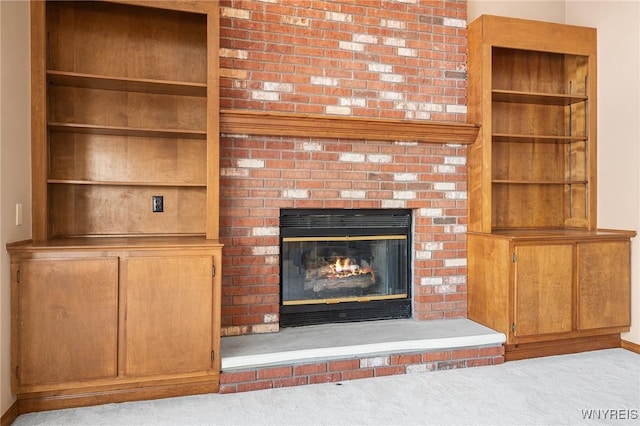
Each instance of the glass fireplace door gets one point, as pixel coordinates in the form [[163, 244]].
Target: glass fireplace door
[[327, 270], [344, 265]]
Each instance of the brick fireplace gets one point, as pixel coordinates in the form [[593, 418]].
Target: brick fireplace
[[429, 180], [395, 59]]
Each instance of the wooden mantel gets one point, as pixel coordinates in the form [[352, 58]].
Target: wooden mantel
[[323, 126]]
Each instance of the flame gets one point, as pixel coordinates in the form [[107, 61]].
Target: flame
[[342, 264], [344, 267], [337, 274]]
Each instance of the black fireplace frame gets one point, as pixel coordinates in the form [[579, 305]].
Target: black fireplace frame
[[338, 223]]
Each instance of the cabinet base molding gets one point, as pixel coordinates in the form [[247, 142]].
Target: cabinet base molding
[[630, 346], [28, 403], [561, 347]]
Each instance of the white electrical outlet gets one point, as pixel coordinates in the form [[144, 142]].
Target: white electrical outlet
[[18, 214]]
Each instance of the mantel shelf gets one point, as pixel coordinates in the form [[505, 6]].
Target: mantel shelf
[[321, 126]]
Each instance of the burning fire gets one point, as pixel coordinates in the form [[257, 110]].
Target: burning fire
[[343, 273], [344, 268]]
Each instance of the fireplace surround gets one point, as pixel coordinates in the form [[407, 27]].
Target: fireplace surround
[[344, 265]]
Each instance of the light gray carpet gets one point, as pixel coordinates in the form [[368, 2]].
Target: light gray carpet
[[600, 387]]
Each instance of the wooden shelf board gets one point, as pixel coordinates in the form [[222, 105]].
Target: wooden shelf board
[[127, 131], [512, 137], [91, 81], [514, 96], [541, 182], [322, 126], [557, 233], [100, 242], [125, 183]]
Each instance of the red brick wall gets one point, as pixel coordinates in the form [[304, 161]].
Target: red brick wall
[[402, 59], [357, 368]]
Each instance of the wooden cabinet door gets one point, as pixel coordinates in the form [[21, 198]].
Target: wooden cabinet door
[[168, 315], [67, 313], [543, 289], [604, 284]]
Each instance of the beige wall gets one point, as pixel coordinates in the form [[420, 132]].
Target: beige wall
[[618, 128], [618, 107], [540, 10], [15, 178]]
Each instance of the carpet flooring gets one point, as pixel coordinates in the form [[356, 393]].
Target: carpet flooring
[[590, 388]]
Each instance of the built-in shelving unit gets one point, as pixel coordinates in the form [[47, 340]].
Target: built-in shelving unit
[[540, 270], [540, 140], [130, 94], [117, 297]]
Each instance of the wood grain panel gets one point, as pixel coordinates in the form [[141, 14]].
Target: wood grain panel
[[561, 346], [126, 159], [133, 41], [489, 287], [169, 324], [539, 36], [529, 119], [529, 161], [527, 206], [543, 289], [529, 71], [120, 210], [81, 105], [39, 117], [68, 311], [604, 291]]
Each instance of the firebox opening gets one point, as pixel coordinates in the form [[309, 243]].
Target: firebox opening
[[344, 265]]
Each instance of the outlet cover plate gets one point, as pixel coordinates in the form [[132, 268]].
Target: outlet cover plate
[[157, 203]]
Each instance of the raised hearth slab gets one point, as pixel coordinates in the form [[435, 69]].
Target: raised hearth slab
[[341, 352], [339, 341]]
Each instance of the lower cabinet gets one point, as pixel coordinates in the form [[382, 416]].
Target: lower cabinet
[[551, 293], [67, 321], [604, 293], [543, 290], [111, 323], [168, 305]]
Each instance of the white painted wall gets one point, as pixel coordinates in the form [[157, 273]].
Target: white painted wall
[[618, 26], [15, 170]]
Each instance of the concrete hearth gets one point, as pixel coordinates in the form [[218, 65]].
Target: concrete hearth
[[342, 352], [338, 341]]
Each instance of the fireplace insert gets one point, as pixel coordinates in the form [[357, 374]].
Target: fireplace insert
[[344, 265]]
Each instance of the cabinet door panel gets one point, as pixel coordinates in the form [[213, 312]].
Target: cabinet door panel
[[168, 325], [68, 319], [543, 289], [604, 285]]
